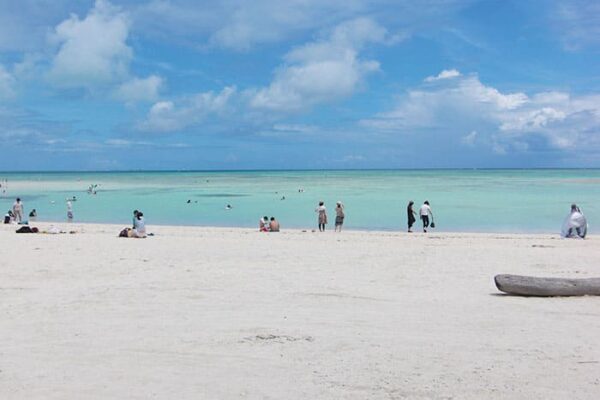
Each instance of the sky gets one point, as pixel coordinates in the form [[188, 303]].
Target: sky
[[298, 84]]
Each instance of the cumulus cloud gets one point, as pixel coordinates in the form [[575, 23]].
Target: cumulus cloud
[[170, 116], [445, 74], [139, 89], [510, 121], [93, 50], [322, 71]]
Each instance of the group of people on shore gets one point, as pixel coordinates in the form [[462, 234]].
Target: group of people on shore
[[17, 213], [321, 211], [574, 226], [424, 214], [268, 225]]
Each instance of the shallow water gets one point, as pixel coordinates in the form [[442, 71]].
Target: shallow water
[[462, 200]]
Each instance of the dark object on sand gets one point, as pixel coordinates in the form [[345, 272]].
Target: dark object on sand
[[547, 287], [27, 229]]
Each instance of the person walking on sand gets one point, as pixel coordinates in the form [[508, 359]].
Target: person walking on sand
[[411, 215], [18, 210], [575, 225], [425, 212], [322, 219], [339, 216]]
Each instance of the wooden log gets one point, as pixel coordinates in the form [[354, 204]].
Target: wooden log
[[547, 287]]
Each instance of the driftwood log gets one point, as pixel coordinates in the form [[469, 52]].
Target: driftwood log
[[546, 287]]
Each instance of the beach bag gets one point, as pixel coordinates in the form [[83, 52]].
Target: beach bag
[[123, 233], [432, 224]]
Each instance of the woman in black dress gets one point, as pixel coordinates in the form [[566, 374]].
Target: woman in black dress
[[411, 215]]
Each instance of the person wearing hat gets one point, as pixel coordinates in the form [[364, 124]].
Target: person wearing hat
[[339, 216], [322, 219]]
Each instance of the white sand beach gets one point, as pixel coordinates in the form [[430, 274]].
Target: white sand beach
[[218, 313]]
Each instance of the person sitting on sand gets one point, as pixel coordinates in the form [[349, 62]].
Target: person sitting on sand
[[8, 217], [135, 213], [273, 225], [575, 225], [139, 228], [263, 224]]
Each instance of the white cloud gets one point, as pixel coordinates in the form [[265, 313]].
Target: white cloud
[[241, 25], [92, 51], [167, 116], [577, 22], [7, 83], [322, 71], [138, 89], [532, 120], [469, 139], [445, 74], [511, 121]]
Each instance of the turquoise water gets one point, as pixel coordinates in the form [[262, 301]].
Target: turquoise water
[[461, 200]]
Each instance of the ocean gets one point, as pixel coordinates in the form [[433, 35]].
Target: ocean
[[461, 200]]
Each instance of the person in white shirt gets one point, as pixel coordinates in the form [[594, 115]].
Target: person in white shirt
[[425, 212], [18, 210], [139, 228], [322, 220], [575, 225]]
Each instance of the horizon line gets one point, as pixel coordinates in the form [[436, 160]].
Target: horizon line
[[297, 170]]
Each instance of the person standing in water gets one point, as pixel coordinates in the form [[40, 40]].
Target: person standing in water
[[69, 211], [18, 210], [322, 219], [339, 216], [425, 212], [411, 215]]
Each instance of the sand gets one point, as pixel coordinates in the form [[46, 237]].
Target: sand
[[218, 313]]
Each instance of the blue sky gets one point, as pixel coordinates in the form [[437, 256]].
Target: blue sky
[[265, 84]]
